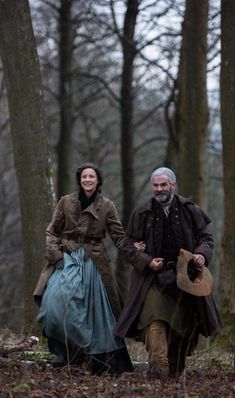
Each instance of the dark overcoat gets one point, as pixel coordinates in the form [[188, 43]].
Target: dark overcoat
[[72, 228], [145, 225]]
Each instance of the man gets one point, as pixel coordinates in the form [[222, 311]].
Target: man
[[167, 319]]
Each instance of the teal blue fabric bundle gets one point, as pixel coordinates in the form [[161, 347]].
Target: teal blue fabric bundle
[[75, 308]]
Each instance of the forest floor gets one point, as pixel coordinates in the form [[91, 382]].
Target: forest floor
[[28, 374]]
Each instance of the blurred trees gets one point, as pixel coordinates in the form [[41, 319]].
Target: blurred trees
[[95, 87], [115, 81], [65, 53], [129, 51], [11, 305], [192, 115], [28, 130], [228, 128]]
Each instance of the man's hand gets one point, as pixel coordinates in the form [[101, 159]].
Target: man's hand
[[199, 260], [156, 264]]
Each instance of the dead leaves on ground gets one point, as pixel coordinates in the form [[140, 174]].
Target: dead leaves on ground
[[22, 378], [25, 372]]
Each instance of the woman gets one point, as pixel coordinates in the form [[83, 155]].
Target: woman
[[81, 304]]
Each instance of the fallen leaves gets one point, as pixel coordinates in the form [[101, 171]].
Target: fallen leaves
[[45, 381], [28, 374]]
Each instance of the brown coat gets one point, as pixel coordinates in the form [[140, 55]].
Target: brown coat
[[197, 239], [72, 228]]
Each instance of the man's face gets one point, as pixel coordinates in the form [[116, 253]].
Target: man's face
[[162, 188]]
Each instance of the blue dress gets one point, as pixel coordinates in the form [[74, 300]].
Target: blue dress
[[75, 308]]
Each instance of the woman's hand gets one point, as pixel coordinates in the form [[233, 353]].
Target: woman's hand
[[140, 246]]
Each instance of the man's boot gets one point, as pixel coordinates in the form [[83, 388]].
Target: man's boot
[[156, 346]]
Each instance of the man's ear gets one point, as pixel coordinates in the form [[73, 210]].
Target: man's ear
[[174, 185]]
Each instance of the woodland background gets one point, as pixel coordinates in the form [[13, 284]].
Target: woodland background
[[130, 85]]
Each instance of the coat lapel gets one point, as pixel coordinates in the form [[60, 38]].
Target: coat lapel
[[95, 207]]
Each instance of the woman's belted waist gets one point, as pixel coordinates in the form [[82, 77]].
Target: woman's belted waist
[[91, 240], [69, 245]]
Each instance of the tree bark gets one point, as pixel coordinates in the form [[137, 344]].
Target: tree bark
[[127, 149], [191, 119], [126, 141], [29, 138], [227, 86], [65, 96]]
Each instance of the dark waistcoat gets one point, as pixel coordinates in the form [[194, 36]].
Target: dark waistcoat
[[168, 235]]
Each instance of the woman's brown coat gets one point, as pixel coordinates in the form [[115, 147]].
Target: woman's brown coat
[[72, 228]]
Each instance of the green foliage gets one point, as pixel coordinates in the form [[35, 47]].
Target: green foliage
[[223, 341], [49, 172], [38, 355], [227, 341], [220, 363], [22, 388]]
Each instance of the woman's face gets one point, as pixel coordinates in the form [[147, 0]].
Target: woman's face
[[88, 181]]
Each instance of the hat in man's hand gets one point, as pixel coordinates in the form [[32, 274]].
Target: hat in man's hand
[[202, 283]]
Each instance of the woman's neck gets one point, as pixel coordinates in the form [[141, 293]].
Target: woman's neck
[[85, 199]]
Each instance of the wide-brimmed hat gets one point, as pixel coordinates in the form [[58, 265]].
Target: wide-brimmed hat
[[201, 285]]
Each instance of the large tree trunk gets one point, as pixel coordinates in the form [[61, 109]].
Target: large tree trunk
[[228, 127], [192, 108], [65, 96], [127, 150], [172, 150], [29, 138]]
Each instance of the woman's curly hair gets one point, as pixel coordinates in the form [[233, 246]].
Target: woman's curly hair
[[89, 166]]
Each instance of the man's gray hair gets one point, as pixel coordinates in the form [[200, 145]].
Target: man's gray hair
[[164, 170]]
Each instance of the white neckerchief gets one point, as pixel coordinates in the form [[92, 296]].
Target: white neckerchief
[[166, 209]]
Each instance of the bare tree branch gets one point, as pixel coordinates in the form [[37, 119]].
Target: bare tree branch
[[101, 80]]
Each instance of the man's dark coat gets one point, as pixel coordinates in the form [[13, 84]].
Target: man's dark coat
[[189, 223]]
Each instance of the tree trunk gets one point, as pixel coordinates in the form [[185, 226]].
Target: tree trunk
[[191, 120], [172, 150], [65, 96], [227, 84], [126, 142], [29, 138], [127, 150]]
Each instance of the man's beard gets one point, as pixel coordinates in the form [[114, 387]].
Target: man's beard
[[165, 198]]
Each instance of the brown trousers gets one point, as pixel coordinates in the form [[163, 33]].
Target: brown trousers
[[156, 346], [166, 349]]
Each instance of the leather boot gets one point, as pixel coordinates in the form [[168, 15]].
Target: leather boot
[[156, 346]]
